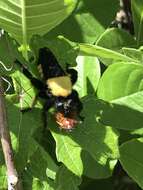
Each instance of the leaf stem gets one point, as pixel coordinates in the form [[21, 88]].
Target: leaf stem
[[12, 175]]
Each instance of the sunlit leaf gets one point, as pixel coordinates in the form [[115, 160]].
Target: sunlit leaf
[[88, 69], [137, 11], [25, 18], [98, 51], [131, 159], [88, 21], [22, 132], [120, 80]]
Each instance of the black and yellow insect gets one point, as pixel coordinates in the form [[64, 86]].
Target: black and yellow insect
[[55, 87]]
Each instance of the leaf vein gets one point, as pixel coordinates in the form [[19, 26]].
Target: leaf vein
[[10, 21], [7, 10], [13, 3], [47, 14], [43, 4]]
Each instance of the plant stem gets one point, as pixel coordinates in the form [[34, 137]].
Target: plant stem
[[6, 145], [25, 51]]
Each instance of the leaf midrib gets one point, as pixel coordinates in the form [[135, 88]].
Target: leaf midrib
[[24, 29]]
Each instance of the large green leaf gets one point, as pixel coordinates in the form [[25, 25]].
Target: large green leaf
[[121, 84], [70, 148], [137, 11], [64, 50], [41, 164], [131, 157], [96, 170], [89, 21], [21, 136], [119, 80], [68, 152], [25, 18], [121, 39], [76, 159], [22, 132], [40, 170], [123, 113], [88, 69], [100, 142], [94, 50], [133, 101], [66, 180]]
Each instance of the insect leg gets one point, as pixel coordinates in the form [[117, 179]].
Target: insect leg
[[73, 74], [48, 104], [31, 106]]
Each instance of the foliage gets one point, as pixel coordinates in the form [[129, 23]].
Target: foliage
[[110, 85]]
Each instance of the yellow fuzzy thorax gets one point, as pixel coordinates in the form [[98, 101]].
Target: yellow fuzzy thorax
[[60, 86]]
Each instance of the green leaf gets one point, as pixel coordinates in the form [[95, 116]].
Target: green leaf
[[125, 115], [64, 50], [88, 69], [94, 50], [38, 185], [39, 167], [32, 183], [68, 152], [22, 127], [41, 164], [124, 82], [137, 132], [121, 39], [101, 142], [133, 101], [89, 21], [77, 160], [25, 92], [120, 80], [137, 11], [95, 170], [3, 177], [66, 180], [133, 53], [131, 159], [24, 18]]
